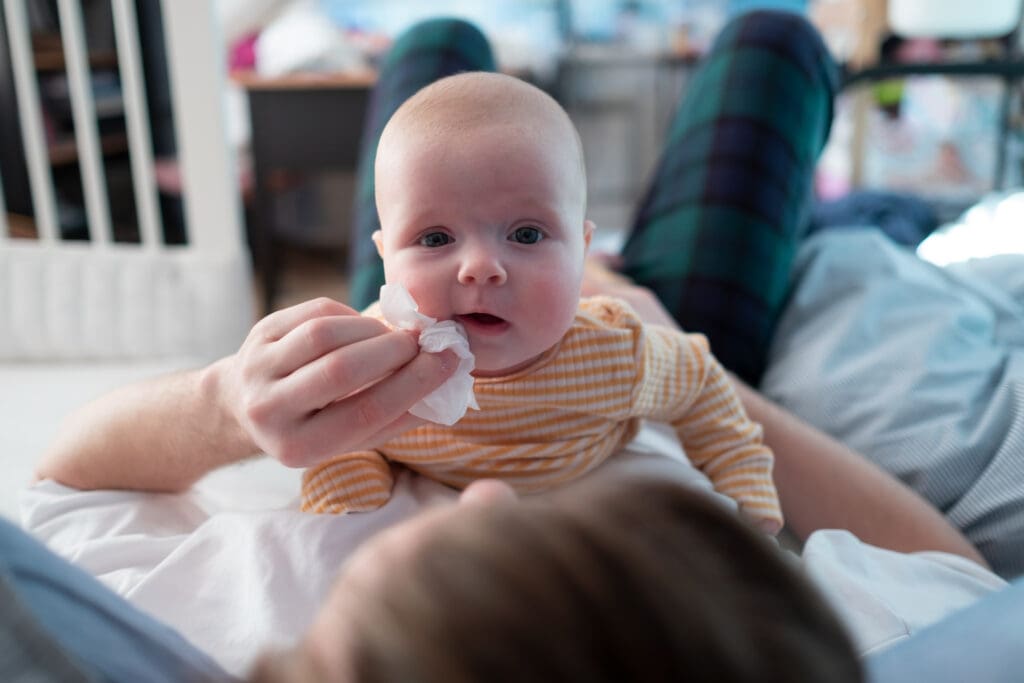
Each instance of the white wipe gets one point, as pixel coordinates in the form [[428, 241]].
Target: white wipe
[[448, 403]]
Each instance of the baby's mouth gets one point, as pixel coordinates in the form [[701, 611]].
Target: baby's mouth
[[484, 319]]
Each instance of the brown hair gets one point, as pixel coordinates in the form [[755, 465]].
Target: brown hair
[[606, 581]]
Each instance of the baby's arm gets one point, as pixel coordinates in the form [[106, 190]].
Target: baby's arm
[[354, 482], [688, 388], [822, 483]]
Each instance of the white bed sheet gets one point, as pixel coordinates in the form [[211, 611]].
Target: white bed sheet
[[35, 397], [236, 568]]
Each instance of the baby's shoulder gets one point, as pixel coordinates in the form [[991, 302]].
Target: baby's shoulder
[[608, 316], [605, 323], [607, 312]]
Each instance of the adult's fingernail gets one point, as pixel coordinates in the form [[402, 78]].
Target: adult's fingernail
[[449, 361]]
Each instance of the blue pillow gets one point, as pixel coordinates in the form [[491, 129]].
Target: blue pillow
[[27, 652], [918, 368], [980, 643], [101, 632]]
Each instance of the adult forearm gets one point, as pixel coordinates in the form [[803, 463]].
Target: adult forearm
[[823, 484], [162, 434], [309, 381]]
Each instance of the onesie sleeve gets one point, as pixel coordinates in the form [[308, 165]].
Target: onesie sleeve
[[683, 384], [354, 482]]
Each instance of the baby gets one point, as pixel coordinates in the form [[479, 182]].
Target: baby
[[481, 191]]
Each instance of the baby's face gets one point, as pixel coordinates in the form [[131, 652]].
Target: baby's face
[[488, 231]]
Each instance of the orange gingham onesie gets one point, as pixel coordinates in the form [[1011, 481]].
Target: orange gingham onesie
[[566, 413]]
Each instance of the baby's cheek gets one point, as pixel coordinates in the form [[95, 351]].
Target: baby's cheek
[[558, 301], [424, 292]]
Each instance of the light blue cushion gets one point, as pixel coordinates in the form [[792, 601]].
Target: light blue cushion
[[984, 642]]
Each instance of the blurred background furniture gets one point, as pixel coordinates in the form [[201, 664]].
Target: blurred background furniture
[[963, 42], [301, 123]]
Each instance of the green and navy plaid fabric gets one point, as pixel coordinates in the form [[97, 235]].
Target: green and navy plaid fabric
[[425, 53], [717, 230], [716, 233]]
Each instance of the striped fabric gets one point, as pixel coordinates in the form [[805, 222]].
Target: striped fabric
[[567, 413], [716, 234]]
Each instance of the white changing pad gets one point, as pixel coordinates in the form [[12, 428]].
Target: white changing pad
[[236, 568]]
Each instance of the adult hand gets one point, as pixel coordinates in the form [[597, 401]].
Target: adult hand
[[319, 379]]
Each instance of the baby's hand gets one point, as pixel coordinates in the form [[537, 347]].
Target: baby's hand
[[772, 527]]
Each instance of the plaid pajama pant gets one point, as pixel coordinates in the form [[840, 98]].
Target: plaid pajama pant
[[716, 232]]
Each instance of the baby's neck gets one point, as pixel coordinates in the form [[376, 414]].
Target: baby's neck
[[504, 372]]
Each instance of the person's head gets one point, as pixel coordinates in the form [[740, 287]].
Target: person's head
[[481, 192], [602, 581]]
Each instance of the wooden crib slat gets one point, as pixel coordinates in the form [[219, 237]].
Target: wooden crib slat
[[83, 110], [30, 115], [136, 114], [71, 300]]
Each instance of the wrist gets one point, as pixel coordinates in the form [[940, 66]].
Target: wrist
[[218, 404]]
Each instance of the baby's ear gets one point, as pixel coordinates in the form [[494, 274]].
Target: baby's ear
[[377, 242], [588, 233]]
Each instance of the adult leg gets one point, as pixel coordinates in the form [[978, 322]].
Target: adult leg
[[717, 231], [426, 52]]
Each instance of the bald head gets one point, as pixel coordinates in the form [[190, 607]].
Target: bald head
[[451, 109]]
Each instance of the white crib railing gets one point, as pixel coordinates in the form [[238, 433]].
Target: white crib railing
[[107, 299]]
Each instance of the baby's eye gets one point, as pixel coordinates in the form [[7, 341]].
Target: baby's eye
[[527, 235], [435, 239]]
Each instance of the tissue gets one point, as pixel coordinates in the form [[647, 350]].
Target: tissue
[[449, 402]]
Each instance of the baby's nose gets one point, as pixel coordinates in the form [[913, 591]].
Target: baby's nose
[[482, 266]]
